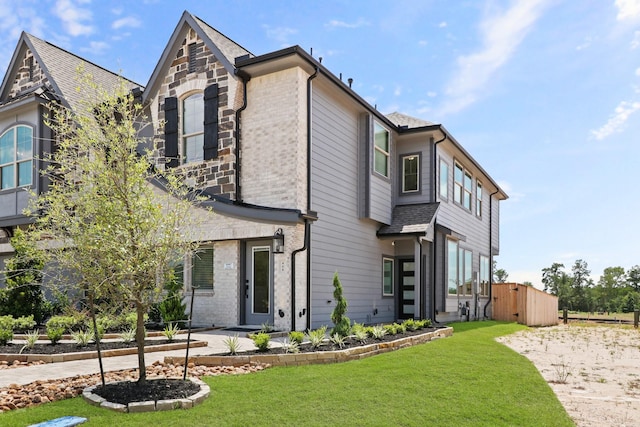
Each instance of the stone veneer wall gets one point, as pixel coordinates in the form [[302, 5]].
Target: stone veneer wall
[[217, 173], [22, 80]]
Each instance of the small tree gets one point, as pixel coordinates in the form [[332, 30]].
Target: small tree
[[342, 323], [23, 295], [104, 217]]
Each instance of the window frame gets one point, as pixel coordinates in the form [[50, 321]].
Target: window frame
[[479, 198], [388, 261], [16, 162], [184, 136], [193, 272], [443, 195], [462, 194], [484, 273], [403, 175], [377, 150], [452, 263]]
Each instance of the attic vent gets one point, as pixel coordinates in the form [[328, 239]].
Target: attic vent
[[192, 58]]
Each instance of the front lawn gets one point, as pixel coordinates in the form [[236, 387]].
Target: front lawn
[[466, 380]]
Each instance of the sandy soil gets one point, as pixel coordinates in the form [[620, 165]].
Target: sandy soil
[[594, 371]]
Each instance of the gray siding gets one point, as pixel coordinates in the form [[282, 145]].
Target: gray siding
[[414, 144], [340, 240]]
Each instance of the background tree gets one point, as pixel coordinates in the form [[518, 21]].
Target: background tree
[[557, 282], [633, 278], [610, 288], [101, 218], [580, 286], [499, 274]]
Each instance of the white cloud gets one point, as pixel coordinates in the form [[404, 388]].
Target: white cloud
[[334, 23], [501, 34], [73, 17], [638, 72], [585, 44], [96, 47], [280, 34], [443, 24], [617, 120], [423, 42], [635, 43], [628, 9], [128, 21], [432, 94], [397, 91]]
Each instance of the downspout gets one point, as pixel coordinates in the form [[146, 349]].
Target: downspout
[[307, 223], [435, 234], [490, 250], [245, 77]]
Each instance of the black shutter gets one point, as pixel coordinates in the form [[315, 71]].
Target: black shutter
[[171, 131], [211, 122]]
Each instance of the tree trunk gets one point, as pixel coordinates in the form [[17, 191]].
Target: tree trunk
[[140, 342]]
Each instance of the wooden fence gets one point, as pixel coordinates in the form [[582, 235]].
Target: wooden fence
[[527, 305]]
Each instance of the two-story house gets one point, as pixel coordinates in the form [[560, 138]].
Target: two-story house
[[305, 179]]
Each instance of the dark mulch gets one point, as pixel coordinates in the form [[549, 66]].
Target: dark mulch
[[327, 345], [60, 348], [156, 389]]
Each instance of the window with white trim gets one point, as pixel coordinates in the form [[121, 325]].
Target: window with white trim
[[484, 276], [202, 268], [410, 173], [381, 149], [465, 272], [479, 198], [16, 157], [444, 180], [387, 277], [452, 267], [462, 186], [193, 128]]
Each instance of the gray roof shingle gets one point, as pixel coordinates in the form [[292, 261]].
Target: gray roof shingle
[[403, 120], [410, 219]]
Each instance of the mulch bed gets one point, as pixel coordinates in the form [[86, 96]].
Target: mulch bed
[[65, 347], [156, 389]]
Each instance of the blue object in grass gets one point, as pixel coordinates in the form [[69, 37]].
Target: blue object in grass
[[68, 421]]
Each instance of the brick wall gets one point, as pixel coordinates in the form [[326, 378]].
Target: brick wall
[[26, 79]]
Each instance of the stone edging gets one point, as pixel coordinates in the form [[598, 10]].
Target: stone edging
[[93, 354], [296, 359], [151, 405]]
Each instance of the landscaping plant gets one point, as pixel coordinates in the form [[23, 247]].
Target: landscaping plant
[[232, 343], [342, 324], [296, 336], [54, 333], [337, 339], [261, 341], [82, 338], [31, 339], [128, 335], [171, 331], [172, 309], [290, 346], [317, 336], [6, 329]]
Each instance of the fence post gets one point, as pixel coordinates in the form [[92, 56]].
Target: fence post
[[636, 315], [565, 315]]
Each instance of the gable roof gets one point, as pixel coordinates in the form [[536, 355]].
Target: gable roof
[[224, 49], [403, 120], [410, 220], [59, 66]]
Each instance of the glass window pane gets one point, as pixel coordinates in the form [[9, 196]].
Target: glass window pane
[[24, 143], [387, 277], [8, 177], [7, 146], [452, 267], [381, 136], [24, 173], [202, 269], [193, 114], [261, 279], [444, 179], [410, 173], [380, 164], [194, 148], [457, 174], [467, 182]]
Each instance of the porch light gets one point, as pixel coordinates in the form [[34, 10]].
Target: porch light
[[278, 242]]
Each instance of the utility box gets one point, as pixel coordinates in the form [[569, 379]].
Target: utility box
[[513, 302]]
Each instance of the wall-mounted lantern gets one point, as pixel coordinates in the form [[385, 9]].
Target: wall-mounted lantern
[[278, 242]]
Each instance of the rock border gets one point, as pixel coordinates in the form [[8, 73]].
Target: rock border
[[93, 354], [318, 357], [150, 405]]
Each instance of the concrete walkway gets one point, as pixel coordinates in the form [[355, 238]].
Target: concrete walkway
[[51, 371]]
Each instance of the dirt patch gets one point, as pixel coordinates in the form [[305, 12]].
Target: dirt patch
[[62, 348], [160, 389], [594, 370]]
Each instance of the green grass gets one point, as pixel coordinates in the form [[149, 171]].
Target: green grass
[[466, 380]]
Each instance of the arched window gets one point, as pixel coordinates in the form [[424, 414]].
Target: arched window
[[193, 128], [16, 157]]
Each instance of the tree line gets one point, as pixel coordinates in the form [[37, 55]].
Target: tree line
[[616, 290]]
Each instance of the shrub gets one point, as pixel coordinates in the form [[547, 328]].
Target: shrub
[[377, 332], [6, 329], [82, 338], [261, 341], [31, 339], [7, 322], [337, 339], [342, 324], [410, 324], [24, 323], [172, 309], [316, 336], [424, 323], [360, 332], [290, 346], [170, 331], [54, 333], [266, 327], [66, 323], [128, 335], [232, 343], [296, 336], [391, 329]]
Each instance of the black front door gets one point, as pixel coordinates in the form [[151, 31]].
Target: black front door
[[407, 288]]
